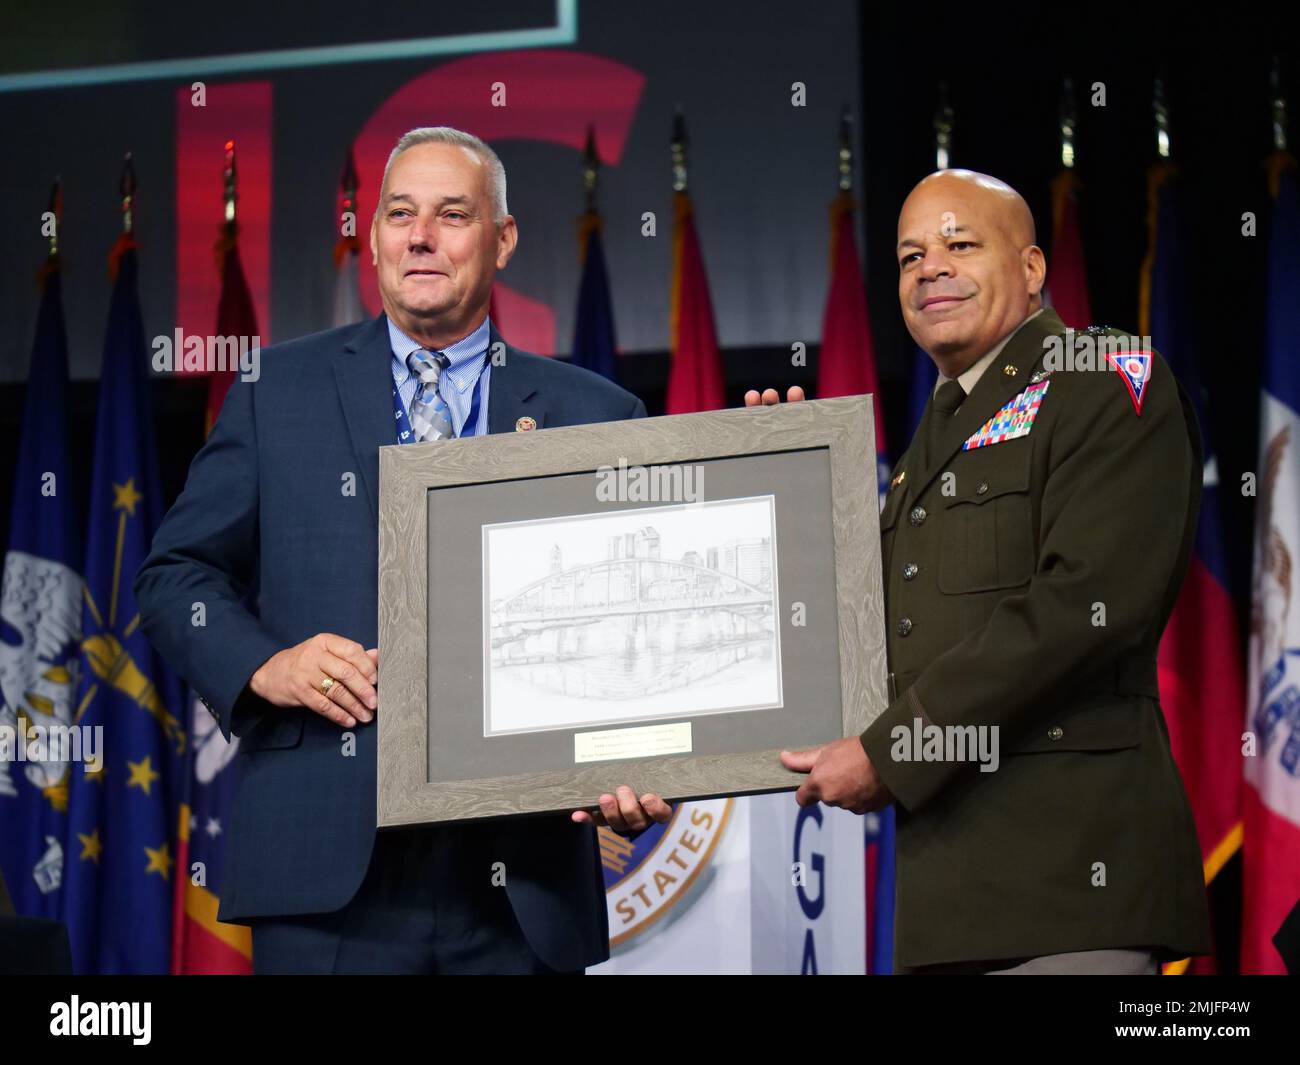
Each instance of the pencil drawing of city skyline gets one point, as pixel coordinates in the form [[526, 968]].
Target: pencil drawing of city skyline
[[631, 615]]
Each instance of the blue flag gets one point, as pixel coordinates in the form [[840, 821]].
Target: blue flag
[[594, 343], [924, 375], [40, 630], [121, 842]]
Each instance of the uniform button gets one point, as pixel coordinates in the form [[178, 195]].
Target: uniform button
[[1055, 732], [981, 488], [904, 626], [910, 571], [917, 515]]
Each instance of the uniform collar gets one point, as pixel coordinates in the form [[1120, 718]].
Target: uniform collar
[[465, 354], [969, 377]]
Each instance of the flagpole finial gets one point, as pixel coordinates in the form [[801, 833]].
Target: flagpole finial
[[846, 149], [943, 125], [55, 208], [679, 146], [590, 169], [1278, 101], [1068, 118], [126, 189], [349, 183], [231, 182], [348, 180], [1161, 111]]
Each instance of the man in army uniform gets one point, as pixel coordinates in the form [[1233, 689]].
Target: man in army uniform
[[1034, 539]]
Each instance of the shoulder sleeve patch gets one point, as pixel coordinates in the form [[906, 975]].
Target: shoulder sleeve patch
[[1134, 367]]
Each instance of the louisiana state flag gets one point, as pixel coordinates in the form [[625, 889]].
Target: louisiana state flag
[[1200, 667], [1271, 798], [40, 629], [121, 842]]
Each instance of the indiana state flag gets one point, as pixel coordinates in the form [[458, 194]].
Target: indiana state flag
[[40, 629], [121, 842]]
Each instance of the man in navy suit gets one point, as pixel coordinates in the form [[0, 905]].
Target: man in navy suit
[[283, 498]]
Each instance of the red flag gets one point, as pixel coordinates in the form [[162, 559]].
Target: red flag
[[235, 318], [1068, 283], [201, 943], [695, 379], [1200, 667], [847, 366]]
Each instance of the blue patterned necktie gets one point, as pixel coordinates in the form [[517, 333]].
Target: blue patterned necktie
[[430, 418]]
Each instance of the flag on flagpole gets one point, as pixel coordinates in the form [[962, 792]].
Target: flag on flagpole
[[236, 317], [695, 378], [1067, 288], [1200, 667], [121, 842], [201, 943], [924, 376], [847, 363], [1271, 797], [347, 252], [40, 608], [595, 346], [847, 367]]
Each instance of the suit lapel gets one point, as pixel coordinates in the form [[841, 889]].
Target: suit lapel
[[996, 386], [364, 376], [363, 373], [512, 393]]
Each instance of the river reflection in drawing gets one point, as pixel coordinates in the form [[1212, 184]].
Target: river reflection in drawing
[[622, 616]]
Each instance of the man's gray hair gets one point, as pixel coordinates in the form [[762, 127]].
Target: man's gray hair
[[496, 173]]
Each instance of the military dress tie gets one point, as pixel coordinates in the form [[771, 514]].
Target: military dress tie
[[430, 418], [944, 405]]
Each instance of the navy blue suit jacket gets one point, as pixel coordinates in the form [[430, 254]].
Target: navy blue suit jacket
[[264, 507]]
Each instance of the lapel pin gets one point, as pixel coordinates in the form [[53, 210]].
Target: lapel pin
[[525, 424], [899, 479], [1010, 370]]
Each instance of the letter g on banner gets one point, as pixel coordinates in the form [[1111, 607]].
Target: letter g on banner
[[812, 907]]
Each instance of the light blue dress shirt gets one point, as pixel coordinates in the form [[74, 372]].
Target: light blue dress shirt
[[470, 368]]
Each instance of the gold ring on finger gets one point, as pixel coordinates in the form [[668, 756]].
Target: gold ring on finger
[[327, 685]]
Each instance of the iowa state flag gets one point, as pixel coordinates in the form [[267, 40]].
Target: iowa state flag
[[1271, 799], [121, 842], [595, 345], [695, 378], [40, 628], [1200, 668]]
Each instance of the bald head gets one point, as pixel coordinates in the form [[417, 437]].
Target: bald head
[[969, 269]]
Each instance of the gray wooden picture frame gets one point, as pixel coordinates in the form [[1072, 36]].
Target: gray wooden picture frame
[[844, 427]]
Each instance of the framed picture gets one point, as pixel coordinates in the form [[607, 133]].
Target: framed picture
[[665, 602]]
